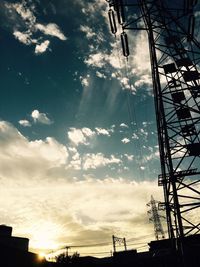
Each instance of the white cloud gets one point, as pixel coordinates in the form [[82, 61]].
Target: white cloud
[[76, 156], [126, 84], [23, 37], [85, 81], [41, 48], [129, 157], [95, 60], [84, 135], [25, 18], [102, 131], [143, 132], [72, 149], [100, 75], [92, 161], [124, 125], [141, 56], [88, 31], [76, 136], [51, 29], [113, 58], [153, 155], [135, 136], [25, 123], [143, 80], [33, 172], [89, 9], [126, 168], [103, 58], [125, 140], [26, 38], [50, 150], [113, 61], [145, 123], [25, 155], [80, 136], [40, 117], [87, 132], [93, 216], [25, 13], [75, 163]]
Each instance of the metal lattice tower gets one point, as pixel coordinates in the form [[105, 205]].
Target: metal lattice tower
[[120, 241], [175, 66], [154, 217]]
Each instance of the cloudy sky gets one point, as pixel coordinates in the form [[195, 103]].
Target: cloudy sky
[[78, 146]]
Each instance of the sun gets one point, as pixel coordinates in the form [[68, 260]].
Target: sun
[[44, 238], [41, 256]]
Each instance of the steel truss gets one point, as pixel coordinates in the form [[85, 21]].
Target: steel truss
[[155, 217], [120, 241], [175, 65]]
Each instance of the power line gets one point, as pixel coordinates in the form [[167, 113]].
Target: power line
[[102, 244], [131, 111], [96, 253]]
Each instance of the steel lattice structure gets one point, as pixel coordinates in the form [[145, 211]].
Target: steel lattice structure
[[154, 217], [120, 241], [175, 65]]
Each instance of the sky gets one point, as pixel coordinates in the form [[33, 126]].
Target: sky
[[79, 156]]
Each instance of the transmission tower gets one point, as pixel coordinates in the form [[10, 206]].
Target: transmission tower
[[154, 217], [175, 60]]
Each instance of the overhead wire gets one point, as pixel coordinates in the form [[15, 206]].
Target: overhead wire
[[102, 245], [131, 111], [96, 253], [133, 119]]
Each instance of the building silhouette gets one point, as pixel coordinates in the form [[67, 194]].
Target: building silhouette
[[6, 239], [14, 250]]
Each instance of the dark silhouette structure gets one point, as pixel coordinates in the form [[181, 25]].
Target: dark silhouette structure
[[154, 217], [175, 57], [65, 258], [6, 239], [14, 251], [120, 241], [160, 254]]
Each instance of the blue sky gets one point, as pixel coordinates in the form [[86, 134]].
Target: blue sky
[[79, 155]]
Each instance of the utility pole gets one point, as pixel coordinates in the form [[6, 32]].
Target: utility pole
[[67, 251], [155, 218]]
